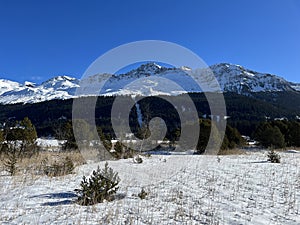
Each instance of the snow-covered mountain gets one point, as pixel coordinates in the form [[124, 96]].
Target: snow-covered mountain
[[7, 86], [61, 87], [235, 78], [295, 86], [148, 79]]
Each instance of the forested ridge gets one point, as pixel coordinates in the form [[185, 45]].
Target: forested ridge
[[246, 113]]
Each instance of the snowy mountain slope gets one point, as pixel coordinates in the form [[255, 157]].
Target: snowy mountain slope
[[152, 79], [295, 86], [7, 85], [62, 87], [148, 79], [62, 83], [235, 78]]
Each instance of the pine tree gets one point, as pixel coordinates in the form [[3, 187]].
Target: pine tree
[[68, 135], [29, 133], [294, 134], [234, 137], [106, 139], [270, 136], [21, 136], [102, 185], [29, 137], [83, 134], [207, 128]]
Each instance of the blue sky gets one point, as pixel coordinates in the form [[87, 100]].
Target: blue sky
[[43, 39]]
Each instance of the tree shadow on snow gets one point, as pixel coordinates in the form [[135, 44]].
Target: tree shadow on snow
[[61, 195], [57, 203], [67, 198], [264, 161]]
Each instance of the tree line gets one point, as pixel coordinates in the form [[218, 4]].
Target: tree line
[[278, 134], [245, 112]]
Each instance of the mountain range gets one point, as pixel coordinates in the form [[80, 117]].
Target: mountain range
[[148, 79]]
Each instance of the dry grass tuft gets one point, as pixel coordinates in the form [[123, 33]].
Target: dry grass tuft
[[35, 164], [235, 151]]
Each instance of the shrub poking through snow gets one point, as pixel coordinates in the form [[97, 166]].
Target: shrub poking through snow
[[137, 159], [102, 185], [143, 194], [273, 157]]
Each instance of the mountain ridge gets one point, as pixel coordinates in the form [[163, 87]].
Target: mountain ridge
[[148, 79]]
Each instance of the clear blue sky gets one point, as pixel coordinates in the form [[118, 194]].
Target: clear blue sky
[[42, 39]]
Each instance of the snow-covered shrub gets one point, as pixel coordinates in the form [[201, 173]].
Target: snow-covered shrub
[[273, 157], [102, 185]]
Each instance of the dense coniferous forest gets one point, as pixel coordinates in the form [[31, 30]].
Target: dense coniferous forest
[[246, 114]]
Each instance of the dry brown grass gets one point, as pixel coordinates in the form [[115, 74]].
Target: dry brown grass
[[35, 164], [235, 151]]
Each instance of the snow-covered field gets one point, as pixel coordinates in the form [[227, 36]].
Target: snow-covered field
[[183, 189], [50, 144]]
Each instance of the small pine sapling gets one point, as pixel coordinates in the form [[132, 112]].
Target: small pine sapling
[[102, 185], [273, 157]]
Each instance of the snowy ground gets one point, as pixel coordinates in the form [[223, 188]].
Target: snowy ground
[[243, 189], [50, 144]]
